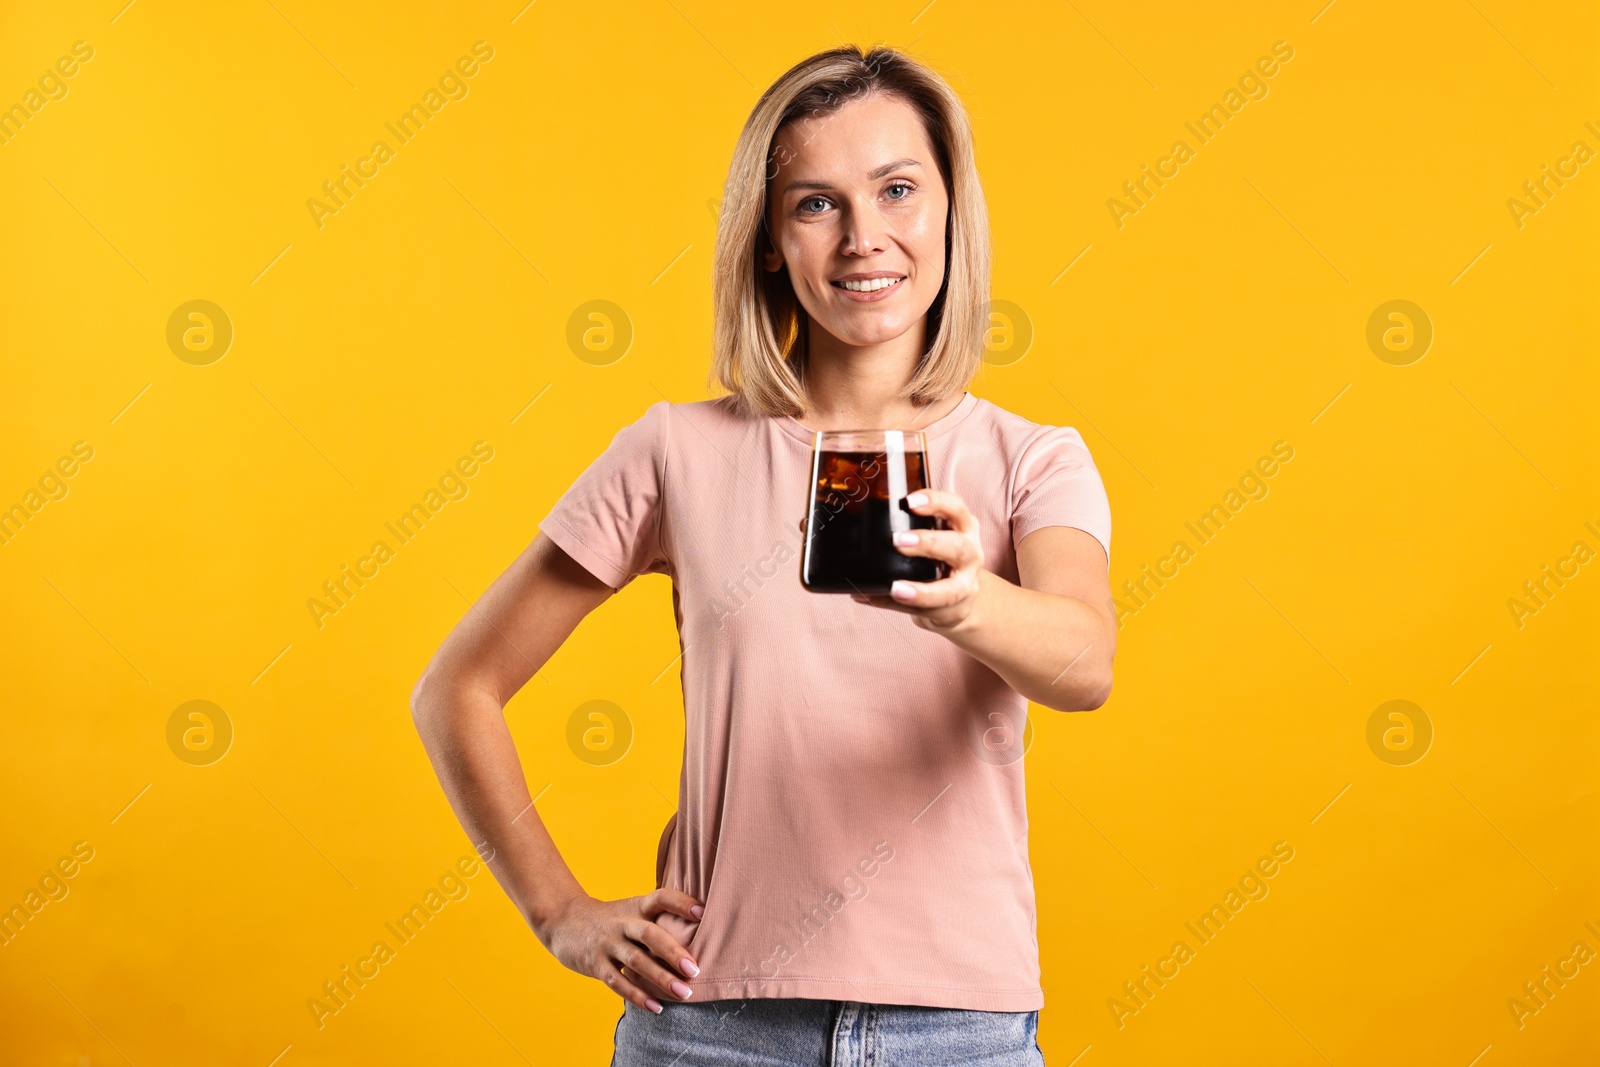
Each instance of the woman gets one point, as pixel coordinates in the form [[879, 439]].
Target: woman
[[847, 873]]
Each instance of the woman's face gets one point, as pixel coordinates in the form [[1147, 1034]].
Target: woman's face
[[858, 192]]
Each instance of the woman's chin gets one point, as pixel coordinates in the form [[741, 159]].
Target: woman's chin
[[861, 335]]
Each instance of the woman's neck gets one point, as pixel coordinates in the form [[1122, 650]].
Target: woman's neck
[[854, 387]]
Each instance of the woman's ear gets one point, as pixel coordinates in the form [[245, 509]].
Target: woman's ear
[[771, 258]]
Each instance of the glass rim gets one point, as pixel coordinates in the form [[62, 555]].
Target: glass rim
[[868, 440]]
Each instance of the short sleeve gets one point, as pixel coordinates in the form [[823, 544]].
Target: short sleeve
[[1057, 484], [609, 519]]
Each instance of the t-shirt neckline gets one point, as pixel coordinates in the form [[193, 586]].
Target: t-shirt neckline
[[793, 427]]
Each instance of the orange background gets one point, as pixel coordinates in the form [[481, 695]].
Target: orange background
[[230, 879]]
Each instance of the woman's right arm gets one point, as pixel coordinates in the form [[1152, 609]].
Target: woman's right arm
[[458, 707]]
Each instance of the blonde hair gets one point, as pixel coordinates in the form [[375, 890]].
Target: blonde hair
[[759, 333]]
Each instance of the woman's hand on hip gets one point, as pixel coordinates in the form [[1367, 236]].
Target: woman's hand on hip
[[619, 943]]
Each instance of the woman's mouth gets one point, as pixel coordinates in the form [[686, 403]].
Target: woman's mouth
[[868, 290]]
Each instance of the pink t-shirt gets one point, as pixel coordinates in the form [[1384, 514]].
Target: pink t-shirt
[[851, 809]]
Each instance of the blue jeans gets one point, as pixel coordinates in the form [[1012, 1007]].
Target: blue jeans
[[794, 1032]]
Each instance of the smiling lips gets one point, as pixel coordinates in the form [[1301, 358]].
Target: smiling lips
[[871, 286]]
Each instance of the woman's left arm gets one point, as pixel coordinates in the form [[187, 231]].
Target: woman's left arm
[[1046, 637]]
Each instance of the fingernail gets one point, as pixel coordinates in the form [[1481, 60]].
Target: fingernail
[[904, 537], [903, 591], [697, 911], [916, 500], [653, 1004], [689, 968], [681, 990]]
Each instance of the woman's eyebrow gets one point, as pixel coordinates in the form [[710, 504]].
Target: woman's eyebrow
[[803, 183]]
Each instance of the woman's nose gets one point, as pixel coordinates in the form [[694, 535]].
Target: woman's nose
[[864, 228]]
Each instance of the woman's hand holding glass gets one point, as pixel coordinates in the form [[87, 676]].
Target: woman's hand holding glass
[[945, 604]]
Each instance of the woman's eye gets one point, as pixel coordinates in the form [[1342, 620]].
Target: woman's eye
[[811, 200], [907, 186]]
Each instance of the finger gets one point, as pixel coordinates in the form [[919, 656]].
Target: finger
[[622, 987], [649, 988], [667, 948], [873, 600], [954, 547], [943, 592], [888, 604], [946, 505], [674, 900], [641, 964]]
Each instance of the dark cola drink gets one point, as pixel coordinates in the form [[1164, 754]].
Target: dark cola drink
[[859, 483]]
